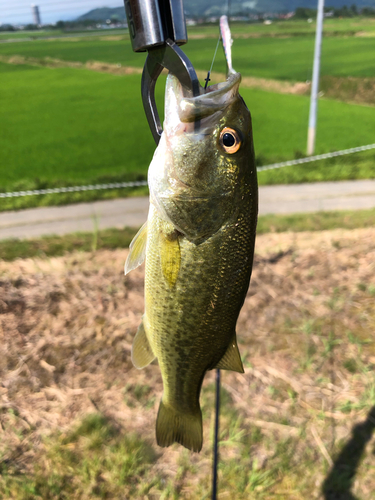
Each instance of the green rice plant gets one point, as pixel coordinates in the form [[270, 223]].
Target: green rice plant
[[286, 58], [67, 126]]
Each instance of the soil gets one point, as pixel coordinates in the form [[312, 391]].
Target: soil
[[67, 325]]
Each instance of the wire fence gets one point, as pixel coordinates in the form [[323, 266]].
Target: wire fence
[[73, 189], [120, 185], [317, 157]]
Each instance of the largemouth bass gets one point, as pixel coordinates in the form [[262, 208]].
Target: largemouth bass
[[198, 243]]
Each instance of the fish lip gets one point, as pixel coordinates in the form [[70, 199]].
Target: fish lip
[[222, 87], [216, 98], [191, 109]]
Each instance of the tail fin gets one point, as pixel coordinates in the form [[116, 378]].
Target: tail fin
[[185, 429]]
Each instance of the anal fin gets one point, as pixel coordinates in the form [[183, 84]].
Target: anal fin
[[142, 354], [231, 359], [137, 250]]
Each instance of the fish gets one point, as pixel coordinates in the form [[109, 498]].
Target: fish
[[198, 247]]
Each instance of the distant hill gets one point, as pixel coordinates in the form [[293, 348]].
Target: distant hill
[[218, 7], [103, 13]]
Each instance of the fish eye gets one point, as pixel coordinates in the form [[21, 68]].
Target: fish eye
[[230, 140]]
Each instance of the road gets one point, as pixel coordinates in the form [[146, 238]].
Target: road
[[132, 212]]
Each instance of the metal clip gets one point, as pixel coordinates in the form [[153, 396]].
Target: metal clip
[[171, 57], [158, 26]]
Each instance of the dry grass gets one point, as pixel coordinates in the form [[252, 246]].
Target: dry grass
[[268, 84], [346, 89], [306, 334], [50, 62], [282, 87], [349, 89]]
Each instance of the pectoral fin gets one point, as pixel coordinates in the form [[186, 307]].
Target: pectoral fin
[[137, 250], [231, 359], [170, 255], [142, 354]]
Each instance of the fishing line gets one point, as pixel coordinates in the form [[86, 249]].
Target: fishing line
[[217, 384], [216, 436], [209, 72]]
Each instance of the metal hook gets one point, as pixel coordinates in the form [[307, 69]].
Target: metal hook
[[159, 27], [171, 57]]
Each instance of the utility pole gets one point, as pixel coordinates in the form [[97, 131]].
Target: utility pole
[[315, 80], [36, 15]]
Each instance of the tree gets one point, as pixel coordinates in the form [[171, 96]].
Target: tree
[[368, 12], [7, 27], [304, 13]]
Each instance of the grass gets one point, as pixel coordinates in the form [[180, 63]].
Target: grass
[[36, 34], [353, 166], [292, 27], [93, 460], [86, 127], [52, 246], [77, 420], [267, 57], [289, 58], [82, 126], [69, 198], [283, 132], [71, 126], [97, 459], [12, 35], [78, 49], [319, 221]]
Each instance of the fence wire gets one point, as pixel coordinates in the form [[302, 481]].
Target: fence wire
[[317, 157], [120, 185]]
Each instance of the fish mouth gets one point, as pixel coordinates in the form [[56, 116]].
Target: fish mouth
[[180, 109]]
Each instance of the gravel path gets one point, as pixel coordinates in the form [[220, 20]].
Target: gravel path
[[132, 212]]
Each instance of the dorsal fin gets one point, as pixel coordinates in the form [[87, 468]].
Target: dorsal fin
[[142, 354], [231, 359], [137, 250]]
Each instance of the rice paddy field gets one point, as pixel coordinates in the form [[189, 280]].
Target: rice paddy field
[[286, 58], [100, 124], [71, 113]]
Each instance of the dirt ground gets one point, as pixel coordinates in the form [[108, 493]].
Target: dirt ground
[[306, 334]]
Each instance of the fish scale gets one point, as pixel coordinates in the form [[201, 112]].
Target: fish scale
[[198, 246]]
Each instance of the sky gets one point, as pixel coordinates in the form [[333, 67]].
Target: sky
[[19, 11]]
